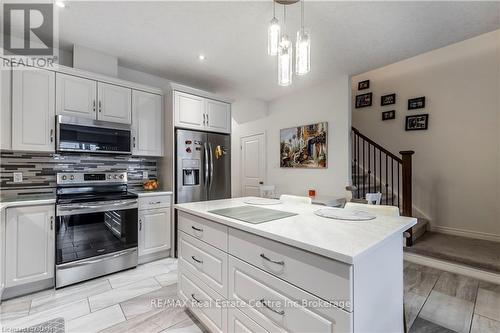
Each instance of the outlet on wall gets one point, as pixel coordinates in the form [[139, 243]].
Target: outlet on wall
[[144, 175], [18, 177]]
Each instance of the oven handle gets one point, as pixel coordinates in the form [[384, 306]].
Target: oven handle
[[94, 261], [104, 206]]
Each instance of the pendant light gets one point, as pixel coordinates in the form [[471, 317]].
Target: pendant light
[[302, 47], [273, 34], [285, 56]]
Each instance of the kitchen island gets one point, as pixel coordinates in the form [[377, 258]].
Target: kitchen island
[[301, 273]]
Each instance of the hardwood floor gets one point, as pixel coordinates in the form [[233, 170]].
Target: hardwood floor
[[435, 301]]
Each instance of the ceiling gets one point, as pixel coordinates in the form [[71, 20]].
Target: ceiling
[[165, 38]]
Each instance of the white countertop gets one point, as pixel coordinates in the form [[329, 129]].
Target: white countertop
[[340, 240], [28, 200]]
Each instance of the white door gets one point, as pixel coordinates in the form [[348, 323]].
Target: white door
[[253, 164], [154, 231], [5, 107], [76, 96], [218, 116], [147, 124], [29, 244], [189, 110], [114, 103], [33, 109]]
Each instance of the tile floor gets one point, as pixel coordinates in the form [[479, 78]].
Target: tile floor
[[435, 301]]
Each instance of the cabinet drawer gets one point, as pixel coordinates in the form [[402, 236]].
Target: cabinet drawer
[[205, 261], [152, 202], [330, 279], [210, 232], [202, 301], [238, 322], [274, 302]]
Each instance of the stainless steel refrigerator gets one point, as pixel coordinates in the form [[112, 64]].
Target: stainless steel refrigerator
[[203, 166]]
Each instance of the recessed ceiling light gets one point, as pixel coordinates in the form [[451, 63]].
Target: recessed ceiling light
[[201, 57], [60, 4]]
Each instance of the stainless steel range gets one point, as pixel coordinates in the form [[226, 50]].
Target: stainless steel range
[[96, 226]]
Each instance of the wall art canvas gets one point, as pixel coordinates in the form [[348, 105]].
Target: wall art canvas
[[417, 123], [388, 115], [363, 100], [364, 85], [304, 146], [388, 99], [416, 103]]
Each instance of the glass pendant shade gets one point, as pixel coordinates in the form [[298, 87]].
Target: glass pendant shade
[[303, 52], [285, 59], [273, 37]]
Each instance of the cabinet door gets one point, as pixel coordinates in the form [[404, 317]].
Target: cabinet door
[[115, 103], [33, 109], [29, 244], [154, 231], [189, 110], [218, 116], [238, 322], [5, 107], [147, 124], [76, 96]]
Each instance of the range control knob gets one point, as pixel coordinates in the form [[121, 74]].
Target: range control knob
[[121, 177], [72, 177], [115, 177], [64, 177], [109, 176]]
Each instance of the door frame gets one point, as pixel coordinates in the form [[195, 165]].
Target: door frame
[[264, 133]]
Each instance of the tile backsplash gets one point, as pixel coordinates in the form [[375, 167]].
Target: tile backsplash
[[39, 170]]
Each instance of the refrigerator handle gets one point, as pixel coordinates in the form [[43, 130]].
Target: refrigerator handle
[[211, 166], [205, 149]]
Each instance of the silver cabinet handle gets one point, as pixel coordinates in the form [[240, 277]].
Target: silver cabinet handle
[[197, 260], [154, 202], [207, 118], [263, 256], [93, 106], [140, 224], [51, 135], [52, 223], [211, 166], [100, 106], [193, 297], [197, 229], [133, 140], [264, 303]]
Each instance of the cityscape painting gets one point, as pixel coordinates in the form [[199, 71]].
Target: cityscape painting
[[304, 146]]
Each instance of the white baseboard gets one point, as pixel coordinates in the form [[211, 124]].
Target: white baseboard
[[453, 268], [465, 233]]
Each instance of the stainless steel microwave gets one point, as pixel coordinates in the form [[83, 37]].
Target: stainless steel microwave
[[84, 135]]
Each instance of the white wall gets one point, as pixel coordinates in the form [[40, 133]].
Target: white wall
[[457, 160], [327, 102]]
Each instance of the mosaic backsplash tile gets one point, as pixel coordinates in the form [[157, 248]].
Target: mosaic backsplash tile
[[39, 170]]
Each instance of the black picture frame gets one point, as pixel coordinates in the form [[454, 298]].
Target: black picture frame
[[362, 85], [388, 115], [416, 103], [418, 122], [364, 100], [388, 99]]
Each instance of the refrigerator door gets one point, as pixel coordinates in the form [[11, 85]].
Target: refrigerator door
[[219, 185], [191, 166]]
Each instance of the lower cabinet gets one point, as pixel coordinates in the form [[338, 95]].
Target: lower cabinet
[[238, 322], [29, 244], [154, 231]]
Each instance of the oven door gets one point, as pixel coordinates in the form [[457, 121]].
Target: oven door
[[90, 229], [92, 136]]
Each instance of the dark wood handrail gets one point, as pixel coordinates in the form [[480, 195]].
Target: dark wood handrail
[[373, 143]]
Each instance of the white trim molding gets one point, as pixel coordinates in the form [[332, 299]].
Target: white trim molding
[[465, 233], [453, 268]]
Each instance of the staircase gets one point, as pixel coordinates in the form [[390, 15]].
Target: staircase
[[375, 169]]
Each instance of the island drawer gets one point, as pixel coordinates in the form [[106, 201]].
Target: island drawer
[[202, 301], [329, 279], [274, 302], [238, 322], [152, 202], [210, 232], [205, 261]]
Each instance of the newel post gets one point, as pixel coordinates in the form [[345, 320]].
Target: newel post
[[407, 189]]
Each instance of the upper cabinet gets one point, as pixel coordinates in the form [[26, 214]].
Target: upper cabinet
[[81, 97], [5, 108], [33, 109], [147, 124], [115, 103], [195, 112]]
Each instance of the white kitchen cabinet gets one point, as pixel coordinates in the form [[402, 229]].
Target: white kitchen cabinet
[[115, 103], [147, 121], [5, 108], [218, 115], [29, 244], [76, 96], [154, 231], [199, 113], [33, 109]]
